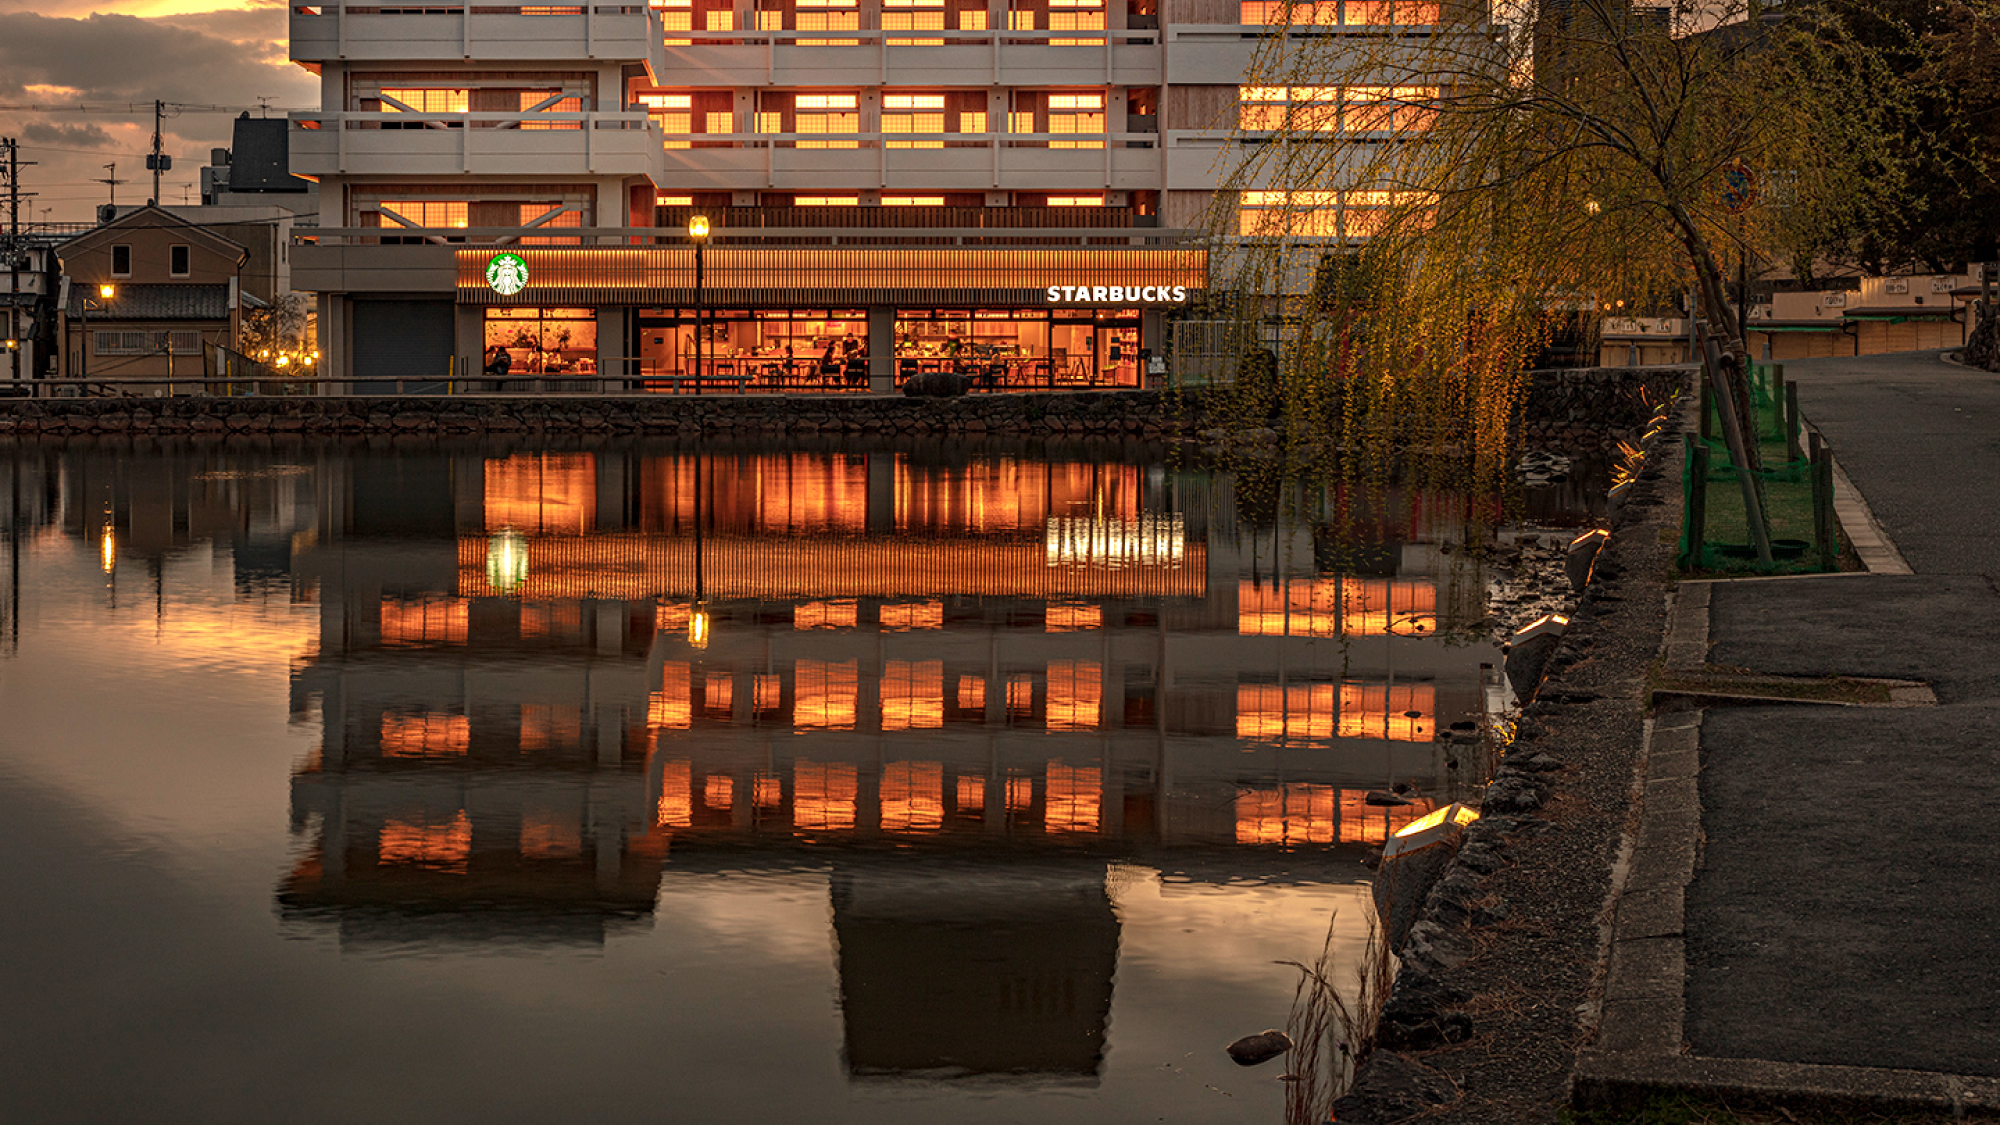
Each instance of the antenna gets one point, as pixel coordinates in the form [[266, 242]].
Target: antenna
[[264, 104], [110, 179]]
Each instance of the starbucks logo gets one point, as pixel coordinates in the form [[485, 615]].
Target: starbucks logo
[[506, 274]]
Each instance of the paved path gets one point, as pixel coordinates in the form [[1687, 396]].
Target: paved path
[[1846, 909]]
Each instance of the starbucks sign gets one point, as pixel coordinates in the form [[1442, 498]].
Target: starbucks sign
[[506, 274]]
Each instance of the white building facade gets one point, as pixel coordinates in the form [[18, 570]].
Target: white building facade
[[1002, 188]]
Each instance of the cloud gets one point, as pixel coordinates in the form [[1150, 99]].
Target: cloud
[[67, 136]]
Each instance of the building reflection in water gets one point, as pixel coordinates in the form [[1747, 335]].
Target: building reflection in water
[[962, 687]]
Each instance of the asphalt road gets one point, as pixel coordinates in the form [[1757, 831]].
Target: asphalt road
[[1845, 907]]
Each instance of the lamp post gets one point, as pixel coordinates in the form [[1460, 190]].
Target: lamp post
[[106, 291], [698, 234]]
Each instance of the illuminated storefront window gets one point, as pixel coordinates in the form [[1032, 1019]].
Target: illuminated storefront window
[[422, 840], [913, 695], [823, 796], [542, 341], [427, 734], [544, 493], [423, 620], [912, 796], [825, 695]]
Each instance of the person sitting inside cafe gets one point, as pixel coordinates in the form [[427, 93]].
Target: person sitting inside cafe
[[498, 362]]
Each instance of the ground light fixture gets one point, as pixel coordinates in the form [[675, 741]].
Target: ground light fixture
[[1434, 827]]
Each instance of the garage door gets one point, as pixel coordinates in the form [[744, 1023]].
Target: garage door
[[409, 341]]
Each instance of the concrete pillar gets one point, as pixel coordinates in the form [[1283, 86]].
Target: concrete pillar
[[881, 350], [881, 492]]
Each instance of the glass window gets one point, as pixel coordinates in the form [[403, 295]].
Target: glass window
[[541, 341], [121, 261], [178, 261]]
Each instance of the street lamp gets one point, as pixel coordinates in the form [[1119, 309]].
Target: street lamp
[[697, 234], [106, 291]]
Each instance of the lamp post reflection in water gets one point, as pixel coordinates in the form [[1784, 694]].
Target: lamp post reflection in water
[[507, 561], [698, 613]]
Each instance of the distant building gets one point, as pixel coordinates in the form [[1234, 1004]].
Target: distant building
[[175, 292], [27, 311]]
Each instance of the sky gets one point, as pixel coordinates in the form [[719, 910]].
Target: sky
[[61, 55]]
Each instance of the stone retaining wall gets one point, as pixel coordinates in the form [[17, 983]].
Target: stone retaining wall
[[1568, 408]]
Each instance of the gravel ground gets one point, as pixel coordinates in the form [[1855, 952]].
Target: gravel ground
[[1517, 951]]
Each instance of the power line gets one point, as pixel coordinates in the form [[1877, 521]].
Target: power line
[[141, 109]]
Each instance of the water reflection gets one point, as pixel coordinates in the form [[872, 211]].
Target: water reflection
[[971, 692]]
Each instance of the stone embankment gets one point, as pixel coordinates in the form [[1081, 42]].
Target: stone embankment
[[1570, 409]]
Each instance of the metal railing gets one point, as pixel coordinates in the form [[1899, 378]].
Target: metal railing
[[664, 236]]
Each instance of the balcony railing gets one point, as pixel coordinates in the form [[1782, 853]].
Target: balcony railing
[[429, 30], [1059, 162], [620, 143], [1104, 233]]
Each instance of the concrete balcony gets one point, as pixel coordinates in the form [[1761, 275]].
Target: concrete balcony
[[485, 144], [975, 162], [612, 32], [948, 58]]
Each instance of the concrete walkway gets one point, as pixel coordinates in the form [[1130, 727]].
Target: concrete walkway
[[1838, 929]]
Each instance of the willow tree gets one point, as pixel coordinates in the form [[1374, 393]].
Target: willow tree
[[1419, 206]]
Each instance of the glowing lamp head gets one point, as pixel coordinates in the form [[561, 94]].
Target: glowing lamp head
[[107, 291], [12, 344], [284, 361], [698, 627], [698, 227]]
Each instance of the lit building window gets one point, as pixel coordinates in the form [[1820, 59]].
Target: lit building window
[[913, 201], [913, 113], [1401, 713], [419, 840], [680, 15], [971, 793], [428, 734], [547, 836], [424, 620], [825, 200], [545, 493], [824, 695], [824, 615], [673, 201], [1075, 200], [810, 114], [1070, 617], [1081, 114], [913, 695], [1332, 13], [719, 791], [684, 117], [972, 693], [1074, 798], [676, 794], [430, 214], [549, 101], [1076, 695], [912, 796], [819, 15], [425, 100], [551, 726], [913, 15], [1320, 214], [671, 707], [823, 795], [1301, 108], [913, 615]]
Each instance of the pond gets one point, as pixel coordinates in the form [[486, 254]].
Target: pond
[[515, 782]]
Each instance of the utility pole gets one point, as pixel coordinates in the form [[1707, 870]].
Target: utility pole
[[15, 248], [157, 161]]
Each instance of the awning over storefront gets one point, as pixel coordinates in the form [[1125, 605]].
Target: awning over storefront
[[1124, 277]]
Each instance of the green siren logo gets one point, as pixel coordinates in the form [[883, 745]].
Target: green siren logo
[[506, 274]]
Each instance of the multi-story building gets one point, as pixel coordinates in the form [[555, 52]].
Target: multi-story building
[[998, 187]]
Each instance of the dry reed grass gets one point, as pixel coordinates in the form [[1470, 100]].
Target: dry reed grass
[[1333, 1027]]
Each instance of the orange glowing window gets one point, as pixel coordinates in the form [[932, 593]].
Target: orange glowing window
[[1363, 823], [429, 620], [769, 791], [1020, 697], [672, 617], [670, 708], [972, 693], [767, 694], [912, 796], [1076, 695], [823, 795], [1287, 713], [549, 493], [404, 99], [824, 615], [551, 726], [971, 795], [545, 836], [1303, 13], [430, 734], [1327, 607], [825, 695], [1297, 813], [1020, 793], [719, 791], [1069, 617], [913, 695], [913, 615], [420, 840], [676, 794], [1074, 798], [561, 621], [1402, 712], [716, 696]]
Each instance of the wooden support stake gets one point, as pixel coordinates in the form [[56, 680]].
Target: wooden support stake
[[1739, 454], [1707, 404], [1791, 421], [1824, 535], [1696, 516]]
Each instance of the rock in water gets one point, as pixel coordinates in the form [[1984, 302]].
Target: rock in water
[[1261, 1047]]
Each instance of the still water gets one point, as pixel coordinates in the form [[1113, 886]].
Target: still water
[[518, 783]]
